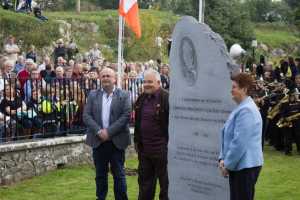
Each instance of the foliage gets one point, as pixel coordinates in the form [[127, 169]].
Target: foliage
[[154, 23], [278, 180], [28, 30], [258, 9], [229, 19], [277, 35], [293, 3]]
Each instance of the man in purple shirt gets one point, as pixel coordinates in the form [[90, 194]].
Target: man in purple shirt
[[151, 137]]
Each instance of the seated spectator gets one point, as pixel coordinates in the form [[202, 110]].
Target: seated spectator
[[31, 53], [13, 107], [69, 108], [2, 127], [38, 14], [6, 4], [33, 106], [50, 110]]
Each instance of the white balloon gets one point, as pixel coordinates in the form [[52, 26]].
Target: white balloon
[[236, 51]]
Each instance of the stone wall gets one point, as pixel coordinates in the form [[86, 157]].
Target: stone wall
[[24, 160], [19, 161]]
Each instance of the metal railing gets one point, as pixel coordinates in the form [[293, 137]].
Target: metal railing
[[40, 108]]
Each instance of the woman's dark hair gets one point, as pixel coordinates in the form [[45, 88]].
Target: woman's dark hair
[[244, 80]]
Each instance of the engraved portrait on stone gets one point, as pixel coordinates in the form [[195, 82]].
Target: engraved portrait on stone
[[188, 59]]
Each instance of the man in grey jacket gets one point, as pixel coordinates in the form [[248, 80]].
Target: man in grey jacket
[[107, 114]]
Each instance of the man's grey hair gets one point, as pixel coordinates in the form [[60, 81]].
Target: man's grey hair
[[153, 72], [8, 62]]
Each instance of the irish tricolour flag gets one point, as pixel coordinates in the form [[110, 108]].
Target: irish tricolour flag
[[130, 11]]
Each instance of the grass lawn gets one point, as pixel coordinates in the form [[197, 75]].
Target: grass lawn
[[280, 36], [279, 180]]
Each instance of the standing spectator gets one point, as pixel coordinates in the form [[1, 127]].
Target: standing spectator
[[48, 74], [59, 51], [28, 5], [165, 80], [151, 137], [284, 65], [11, 49], [20, 64], [24, 74], [293, 67], [72, 49], [71, 63], [33, 83], [139, 71], [46, 62], [297, 62], [7, 68], [95, 54], [68, 73], [77, 71], [106, 114], [31, 53], [61, 62], [59, 72]]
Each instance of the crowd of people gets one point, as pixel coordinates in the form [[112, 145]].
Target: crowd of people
[[46, 95]]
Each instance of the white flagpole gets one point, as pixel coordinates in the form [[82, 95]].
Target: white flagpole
[[120, 52], [201, 10]]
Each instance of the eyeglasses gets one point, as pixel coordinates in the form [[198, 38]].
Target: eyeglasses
[[105, 76]]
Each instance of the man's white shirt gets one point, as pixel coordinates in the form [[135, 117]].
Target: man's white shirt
[[106, 103]]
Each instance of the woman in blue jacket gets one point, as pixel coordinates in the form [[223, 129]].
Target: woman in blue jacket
[[241, 156]]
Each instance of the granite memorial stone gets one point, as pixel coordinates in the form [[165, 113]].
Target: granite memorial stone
[[200, 102]]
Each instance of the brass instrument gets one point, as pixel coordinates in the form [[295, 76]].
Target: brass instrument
[[287, 121], [276, 109]]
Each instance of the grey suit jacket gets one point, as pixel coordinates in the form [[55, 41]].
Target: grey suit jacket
[[118, 129]]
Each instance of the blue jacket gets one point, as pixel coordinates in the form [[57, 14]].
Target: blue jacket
[[241, 145]]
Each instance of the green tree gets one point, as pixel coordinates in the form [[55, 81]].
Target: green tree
[[294, 4], [258, 9], [230, 20]]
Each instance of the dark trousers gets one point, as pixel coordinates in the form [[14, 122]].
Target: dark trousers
[[103, 155], [242, 183], [297, 133], [287, 133], [151, 168]]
